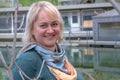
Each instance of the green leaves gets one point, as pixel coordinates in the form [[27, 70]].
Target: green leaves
[[29, 2]]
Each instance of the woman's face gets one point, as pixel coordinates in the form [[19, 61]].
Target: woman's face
[[46, 30]]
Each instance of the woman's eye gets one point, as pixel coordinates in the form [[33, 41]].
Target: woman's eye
[[54, 24], [43, 25]]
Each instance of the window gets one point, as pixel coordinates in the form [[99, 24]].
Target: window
[[66, 22], [87, 21], [74, 17], [109, 31], [5, 23], [21, 23]]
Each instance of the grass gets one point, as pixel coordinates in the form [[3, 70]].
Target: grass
[[95, 75], [1, 75], [99, 75], [105, 76]]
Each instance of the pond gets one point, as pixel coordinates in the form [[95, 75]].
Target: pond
[[87, 57]]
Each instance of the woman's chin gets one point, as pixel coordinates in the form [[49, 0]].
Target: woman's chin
[[50, 44]]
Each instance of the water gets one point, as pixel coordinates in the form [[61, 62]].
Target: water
[[101, 59], [80, 56], [86, 57]]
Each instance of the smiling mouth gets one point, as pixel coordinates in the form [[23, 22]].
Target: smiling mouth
[[50, 36]]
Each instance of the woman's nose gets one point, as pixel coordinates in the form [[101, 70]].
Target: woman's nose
[[50, 30]]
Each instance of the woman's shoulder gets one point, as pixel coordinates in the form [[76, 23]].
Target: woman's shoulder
[[29, 56], [29, 60]]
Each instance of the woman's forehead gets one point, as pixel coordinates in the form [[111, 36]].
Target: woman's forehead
[[46, 16]]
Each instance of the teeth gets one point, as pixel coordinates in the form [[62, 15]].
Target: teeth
[[49, 37]]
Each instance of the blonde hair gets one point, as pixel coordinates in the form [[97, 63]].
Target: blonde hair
[[33, 14]]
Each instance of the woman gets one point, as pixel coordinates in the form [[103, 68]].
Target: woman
[[43, 58]]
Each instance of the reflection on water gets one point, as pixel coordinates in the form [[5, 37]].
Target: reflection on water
[[80, 56], [94, 57], [5, 52], [87, 56], [108, 57]]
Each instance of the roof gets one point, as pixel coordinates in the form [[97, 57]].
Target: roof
[[65, 7], [84, 6], [112, 12]]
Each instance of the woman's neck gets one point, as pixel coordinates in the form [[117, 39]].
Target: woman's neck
[[51, 48]]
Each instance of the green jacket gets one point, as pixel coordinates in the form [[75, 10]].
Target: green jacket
[[30, 62]]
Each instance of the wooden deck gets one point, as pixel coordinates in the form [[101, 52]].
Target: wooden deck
[[4, 40], [92, 43], [65, 34], [76, 43]]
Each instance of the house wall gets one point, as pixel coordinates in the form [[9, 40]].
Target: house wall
[[107, 28], [79, 26], [75, 20]]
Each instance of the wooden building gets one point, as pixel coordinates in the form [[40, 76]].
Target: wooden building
[[77, 19]]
